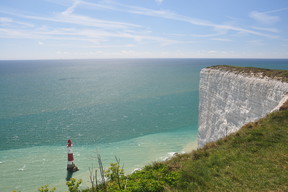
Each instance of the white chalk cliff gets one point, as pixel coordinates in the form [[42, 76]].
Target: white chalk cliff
[[228, 100]]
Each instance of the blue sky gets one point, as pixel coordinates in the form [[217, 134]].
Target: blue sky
[[76, 29]]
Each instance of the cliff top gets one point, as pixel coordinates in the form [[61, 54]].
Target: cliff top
[[281, 75]]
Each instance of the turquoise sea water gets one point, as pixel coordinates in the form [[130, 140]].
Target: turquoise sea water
[[140, 110]]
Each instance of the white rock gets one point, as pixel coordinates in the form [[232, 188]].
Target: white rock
[[228, 100]]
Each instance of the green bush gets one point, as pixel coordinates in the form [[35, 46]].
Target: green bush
[[45, 188], [73, 185], [153, 178], [115, 175]]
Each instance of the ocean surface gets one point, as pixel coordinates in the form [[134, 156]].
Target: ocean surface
[[140, 110]]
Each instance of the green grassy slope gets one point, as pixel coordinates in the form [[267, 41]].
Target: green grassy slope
[[253, 159]]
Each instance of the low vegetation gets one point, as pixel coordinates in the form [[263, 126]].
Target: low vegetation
[[281, 75], [253, 159]]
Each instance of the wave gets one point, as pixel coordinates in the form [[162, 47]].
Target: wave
[[22, 168]]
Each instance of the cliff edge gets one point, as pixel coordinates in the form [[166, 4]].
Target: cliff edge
[[230, 97]]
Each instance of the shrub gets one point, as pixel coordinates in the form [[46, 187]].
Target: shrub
[[45, 188], [73, 185]]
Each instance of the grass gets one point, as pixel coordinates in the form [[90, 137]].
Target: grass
[[281, 75], [253, 159]]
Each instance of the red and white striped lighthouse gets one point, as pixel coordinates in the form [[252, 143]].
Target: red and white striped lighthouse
[[70, 164]]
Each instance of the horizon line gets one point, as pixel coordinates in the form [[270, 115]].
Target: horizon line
[[127, 58]]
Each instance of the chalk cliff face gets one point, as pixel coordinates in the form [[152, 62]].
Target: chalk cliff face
[[228, 100]]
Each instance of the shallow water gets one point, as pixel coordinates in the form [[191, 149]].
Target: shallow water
[[27, 169]]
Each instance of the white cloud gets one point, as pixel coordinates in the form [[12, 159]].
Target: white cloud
[[221, 39], [256, 42], [245, 31], [9, 21], [264, 18], [5, 20], [194, 21], [159, 1], [277, 10], [97, 31], [89, 21], [70, 17], [92, 36], [70, 10], [274, 30], [208, 35]]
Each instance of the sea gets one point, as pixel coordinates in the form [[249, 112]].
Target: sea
[[137, 110]]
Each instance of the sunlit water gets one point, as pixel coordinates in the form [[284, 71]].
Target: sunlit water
[[138, 110]]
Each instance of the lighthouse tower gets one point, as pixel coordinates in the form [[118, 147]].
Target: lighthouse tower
[[70, 164]]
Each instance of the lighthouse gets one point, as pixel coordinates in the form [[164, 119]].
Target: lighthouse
[[71, 167]]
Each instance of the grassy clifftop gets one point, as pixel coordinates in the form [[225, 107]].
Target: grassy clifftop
[[281, 75]]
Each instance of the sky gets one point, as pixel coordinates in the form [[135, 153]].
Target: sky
[[91, 29]]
